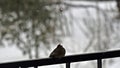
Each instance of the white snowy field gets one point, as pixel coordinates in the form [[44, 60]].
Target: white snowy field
[[75, 44]]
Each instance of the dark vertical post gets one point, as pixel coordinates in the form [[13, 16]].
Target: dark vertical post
[[99, 63], [68, 65], [36, 67]]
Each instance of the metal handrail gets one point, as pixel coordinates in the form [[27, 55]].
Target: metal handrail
[[67, 59]]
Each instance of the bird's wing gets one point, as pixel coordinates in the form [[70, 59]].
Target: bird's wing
[[54, 53]]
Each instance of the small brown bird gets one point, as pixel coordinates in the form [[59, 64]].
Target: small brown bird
[[58, 52]]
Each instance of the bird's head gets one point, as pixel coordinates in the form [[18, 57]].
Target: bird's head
[[59, 45]]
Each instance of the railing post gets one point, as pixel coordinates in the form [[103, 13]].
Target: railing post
[[68, 65], [99, 63], [36, 67]]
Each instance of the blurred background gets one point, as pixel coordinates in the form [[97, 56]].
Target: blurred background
[[31, 29]]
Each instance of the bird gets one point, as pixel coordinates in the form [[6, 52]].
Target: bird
[[58, 52]]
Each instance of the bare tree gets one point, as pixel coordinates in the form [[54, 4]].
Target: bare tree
[[29, 24]]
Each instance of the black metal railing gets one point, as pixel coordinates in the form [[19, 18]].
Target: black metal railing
[[67, 59]]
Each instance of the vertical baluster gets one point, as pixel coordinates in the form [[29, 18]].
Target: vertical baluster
[[67, 65], [99, 63], [23, 67], [36, 67]]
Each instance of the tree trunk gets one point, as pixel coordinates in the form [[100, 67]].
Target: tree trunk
[[37, 51], [30, 54], [118, 5]]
